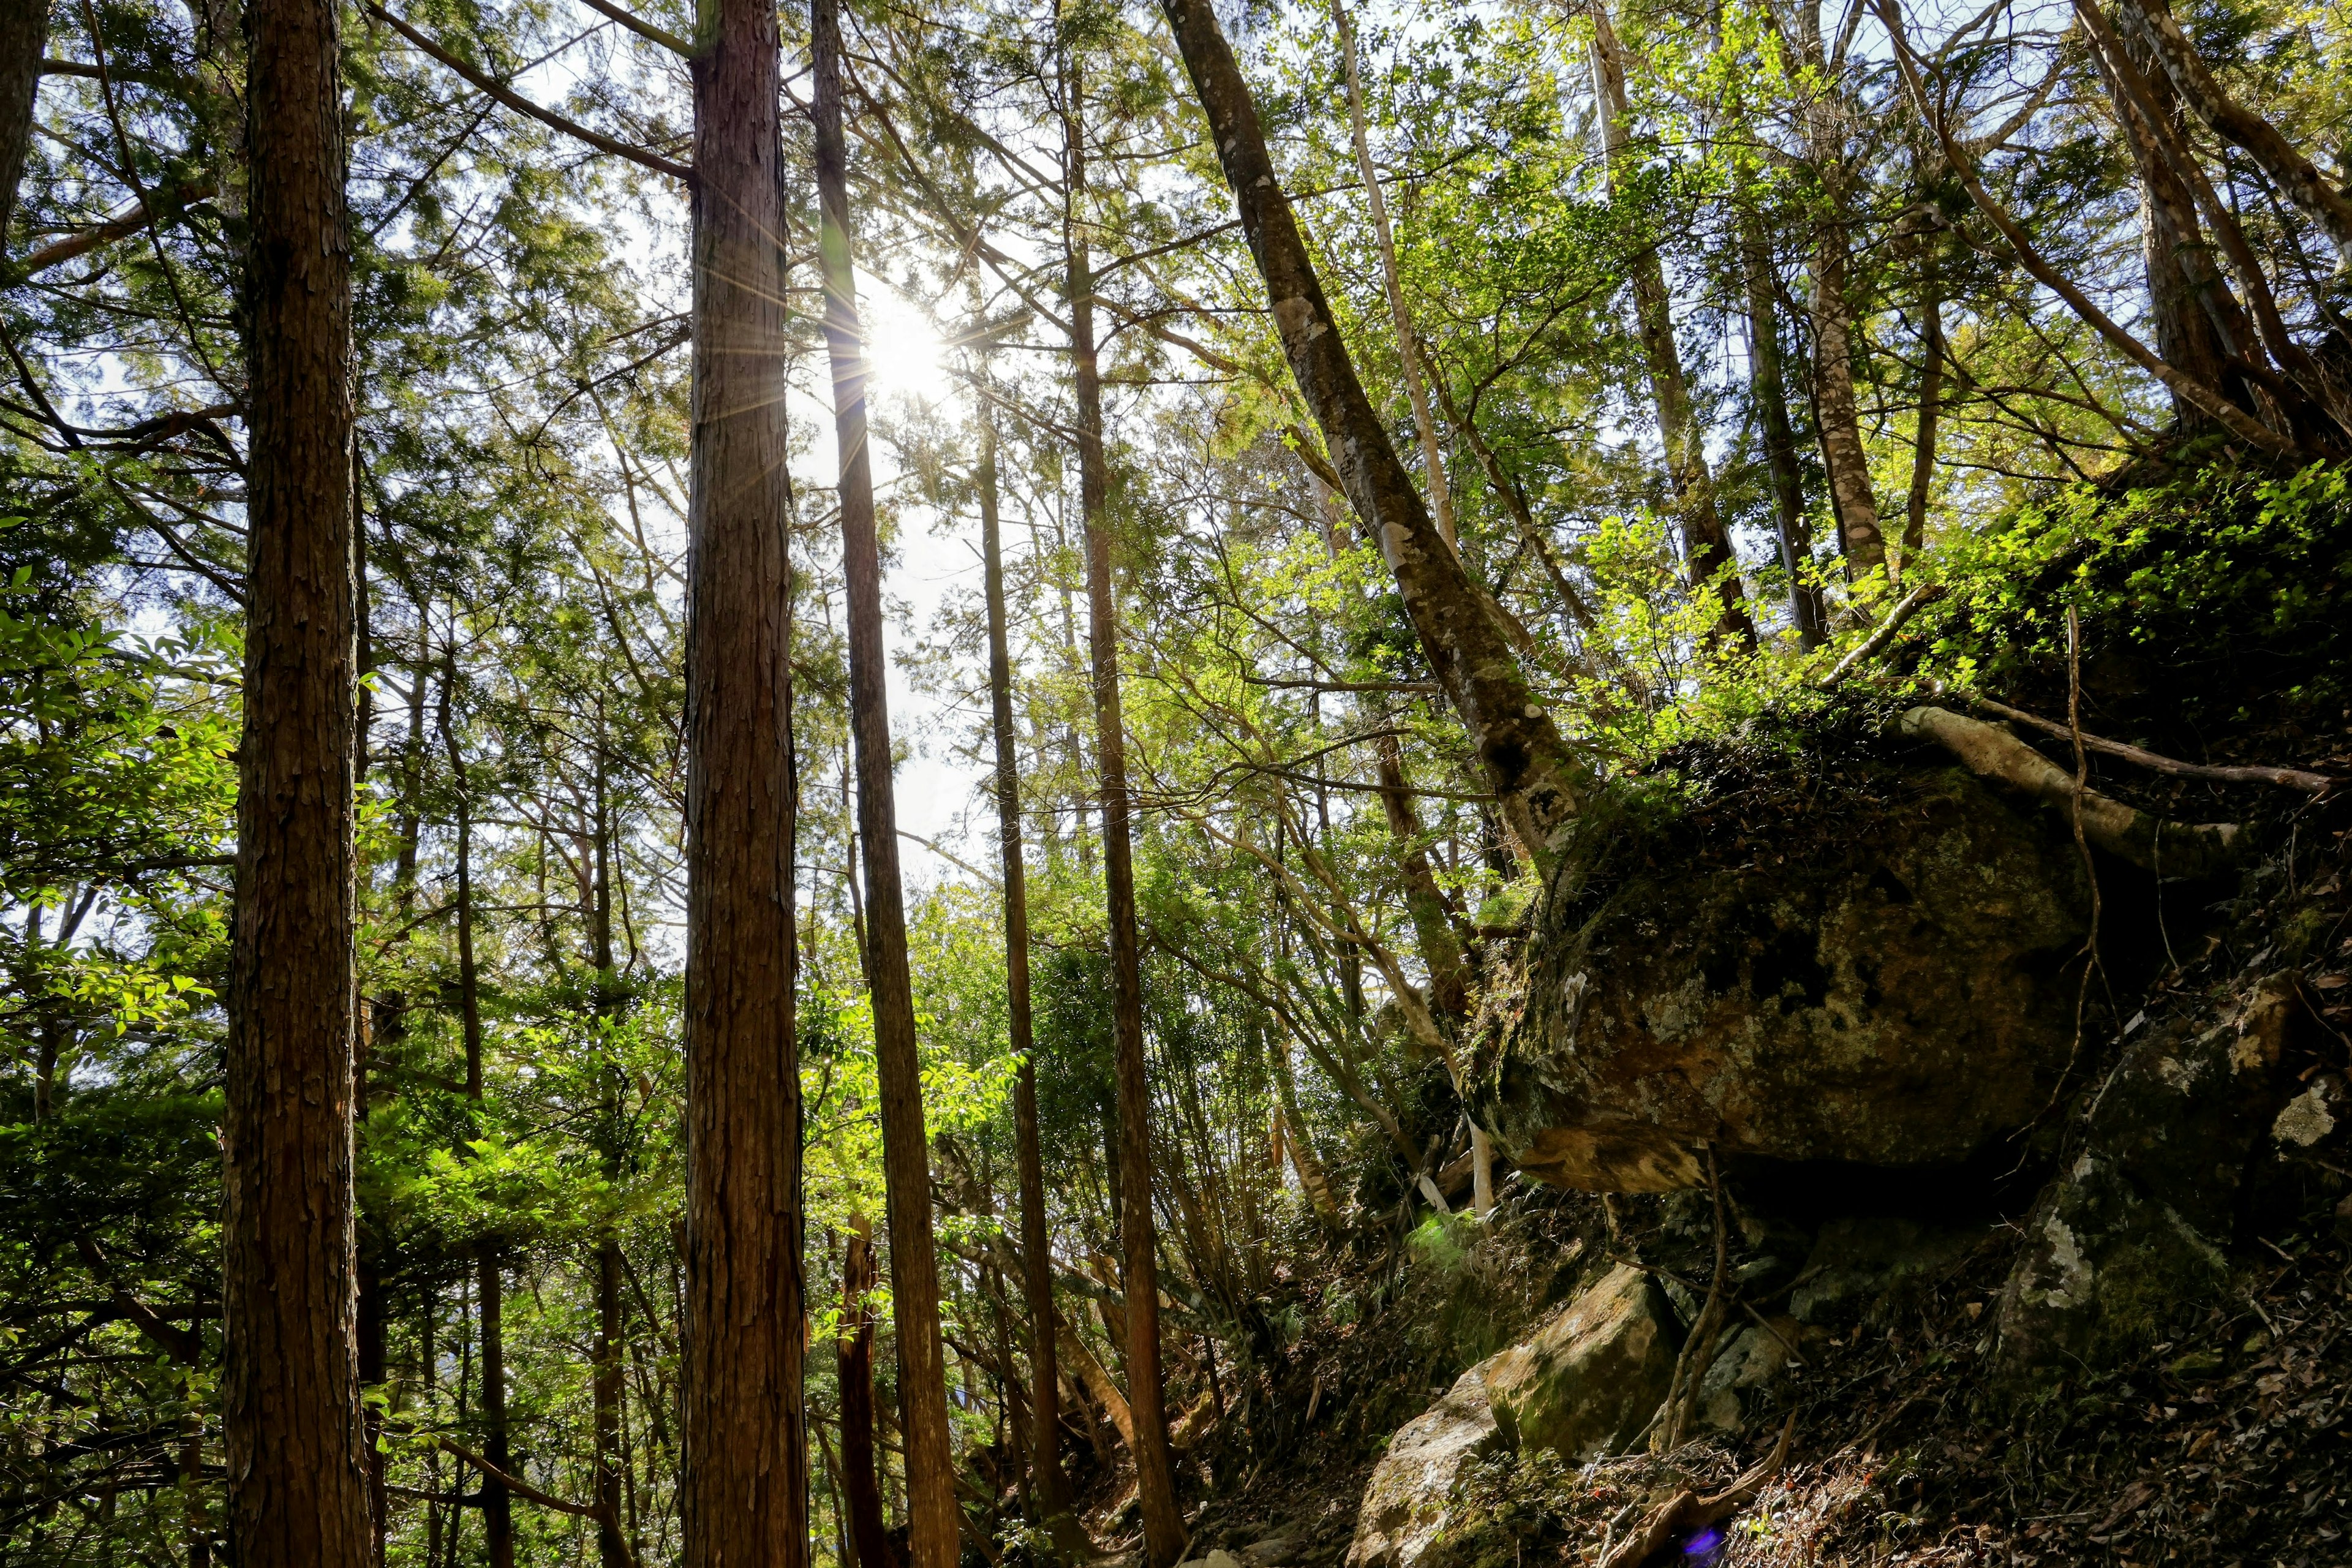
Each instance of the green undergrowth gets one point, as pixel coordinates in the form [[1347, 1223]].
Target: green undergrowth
[[2213, 624]]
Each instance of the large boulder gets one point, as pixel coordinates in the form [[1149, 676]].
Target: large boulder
[[2139, 1225], [1589, 1381], [1404, 1506], [1882, 988]]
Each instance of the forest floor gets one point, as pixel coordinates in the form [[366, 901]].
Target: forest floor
[[2224, 1440]]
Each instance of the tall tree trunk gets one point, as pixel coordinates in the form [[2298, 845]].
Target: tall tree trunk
[[745, 1488], [2199, 325], [862, 1492], [933, 1514], [1540, 782], [298, 1478], [1164, 1535], [2297, 178], [606, 1390], [1828, 259], [498, 1503], [1433, 457], [1769, 386], [1049, 1488], [1707, 555], [23, 34], [372, 1373]]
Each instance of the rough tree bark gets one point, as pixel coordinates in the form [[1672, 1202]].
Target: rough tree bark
[[744, 1491], [1540, 782], [933, 1516], [23, 34], [1707, 544], [1050, 1489], [2199, 327], [1164, 1535], [289, 1390], [1828, 260], [853, 1366]]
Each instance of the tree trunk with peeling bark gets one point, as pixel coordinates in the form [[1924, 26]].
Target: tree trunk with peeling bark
[[290, 1391], [1541, 782], [933, 1516], [745, 1490], [1707, 555]]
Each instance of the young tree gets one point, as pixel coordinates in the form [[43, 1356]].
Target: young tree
[[298, 1482], [1051, 1486]]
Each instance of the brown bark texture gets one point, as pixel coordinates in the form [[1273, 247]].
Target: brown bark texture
[[1541, 781], [289, 1389], [1164, 1535], [2198, 326], [933, 1514], [744, 1488], [860, 1484], [2298, 179], [1051, 1489], [23, 34], [1707, 555]]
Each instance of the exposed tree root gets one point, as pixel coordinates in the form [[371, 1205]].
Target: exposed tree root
[[1688, 1511], [2192, 850]]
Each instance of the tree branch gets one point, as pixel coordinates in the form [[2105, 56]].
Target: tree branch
[[524, 106]]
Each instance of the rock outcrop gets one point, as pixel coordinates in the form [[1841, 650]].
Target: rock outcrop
[[2143, 1217], [1883, 992]]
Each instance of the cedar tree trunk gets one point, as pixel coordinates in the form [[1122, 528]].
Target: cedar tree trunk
[[289, 1389], [744, 1491], [1051, 1489], [1164, 1536]]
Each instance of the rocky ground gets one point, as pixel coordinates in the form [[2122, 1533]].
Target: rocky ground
[[2134, 1351]]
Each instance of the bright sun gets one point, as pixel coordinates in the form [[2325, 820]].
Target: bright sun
[[909, 358]]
